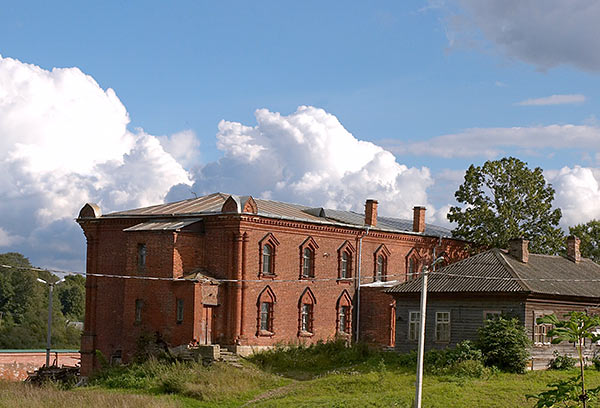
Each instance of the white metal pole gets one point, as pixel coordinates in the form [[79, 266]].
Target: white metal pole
[[49, 335], [421, 350]]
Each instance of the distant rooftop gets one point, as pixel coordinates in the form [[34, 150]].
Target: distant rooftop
[[497, 271], [213, 203]]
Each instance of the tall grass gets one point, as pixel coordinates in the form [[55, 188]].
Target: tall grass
[[21, 395], [189, 379]]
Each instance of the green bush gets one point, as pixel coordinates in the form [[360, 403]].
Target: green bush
[[504, 344], [561, 362], [596, 362]]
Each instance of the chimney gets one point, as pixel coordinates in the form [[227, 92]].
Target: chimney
[[371, 213], [519, 248], [419, 219], [573, 249]]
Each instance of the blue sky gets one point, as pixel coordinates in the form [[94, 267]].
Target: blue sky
[[438, 84]]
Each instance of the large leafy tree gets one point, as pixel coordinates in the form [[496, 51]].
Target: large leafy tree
[[589, 234], [504, 199]]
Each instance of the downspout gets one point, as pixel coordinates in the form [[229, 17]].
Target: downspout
[[359, 280]]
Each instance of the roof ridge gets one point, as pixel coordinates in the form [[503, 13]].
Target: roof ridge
[[500, 255]]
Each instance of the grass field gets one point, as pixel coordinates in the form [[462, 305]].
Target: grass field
[[331, 377]]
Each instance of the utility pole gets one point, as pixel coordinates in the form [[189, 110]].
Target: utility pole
[[421, 347], [49, 332]]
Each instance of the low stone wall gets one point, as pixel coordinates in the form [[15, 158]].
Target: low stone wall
[[14, 364]]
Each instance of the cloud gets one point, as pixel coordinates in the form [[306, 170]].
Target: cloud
[[577, 193], [65, 142], [184, 146], [7, 240], [493, 142], [545, 35], [553, 100], [310, 158]]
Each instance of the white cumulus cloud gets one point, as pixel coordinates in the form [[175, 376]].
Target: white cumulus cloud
[[65, 142], [309, 157], [577, 193], [553, 100]]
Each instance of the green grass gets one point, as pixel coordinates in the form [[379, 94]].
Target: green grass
[[323, 375]]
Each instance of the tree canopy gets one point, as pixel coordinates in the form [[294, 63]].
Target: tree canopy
[[504, 199], [589, 234], [24, 305]]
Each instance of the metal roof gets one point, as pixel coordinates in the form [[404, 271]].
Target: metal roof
[[163, 225], [212, 204], [496, 271]]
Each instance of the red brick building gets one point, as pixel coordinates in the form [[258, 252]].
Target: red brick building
[[246, 273]]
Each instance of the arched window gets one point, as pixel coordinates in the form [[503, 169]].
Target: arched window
[[345, 257], [344, 313], [266, 256], [381, 260], [307, 258], [265, 312], [306, 307], [267, 261], [413, 264]]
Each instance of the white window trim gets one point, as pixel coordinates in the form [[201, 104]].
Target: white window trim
[[548, 340], [438, 322], [416, 322], [492, 312]]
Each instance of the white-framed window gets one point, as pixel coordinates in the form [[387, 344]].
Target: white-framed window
[[540, 331], [266, 316], [306, 318], [414, 321], [344, 319], [308, 257], [344, 265], [267, 260], [442, 326]]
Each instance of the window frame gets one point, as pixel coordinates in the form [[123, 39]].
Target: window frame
[[495, 313], [139, 311], [345, 250], [439, 323], [540, 331], [266, 296], [273, 243], [142, 256], [308, 249], [343, 306], [306, 313], [179, 310], [381, 253], [413, 325]]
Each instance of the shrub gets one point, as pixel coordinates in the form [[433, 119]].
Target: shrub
[[504, 344], [467, 368], [561, 362], [596, 362]]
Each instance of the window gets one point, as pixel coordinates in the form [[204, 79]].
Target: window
[[381, 259], [139, 304], [306, 318], [308, 257], [265, 312], [379, 274], [344, 265], [442, 326], [141, 256], [414, 321], [411, 269], [308, 250], [267, 251], [306, 308], [344, 320], [344, 313], [267, 261], [540, 331], [266, 317], [345, 257], [179, 311]]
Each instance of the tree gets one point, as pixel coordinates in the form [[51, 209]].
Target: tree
[[589, 234], [504, 199], [504, 344], [576, 329]]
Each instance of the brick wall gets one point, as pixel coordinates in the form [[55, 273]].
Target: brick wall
[[377, 317], [14, 365]]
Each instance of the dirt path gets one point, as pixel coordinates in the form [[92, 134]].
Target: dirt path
[[272, 393]]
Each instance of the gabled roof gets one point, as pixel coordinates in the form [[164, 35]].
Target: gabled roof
[[213, 203], [496, 271]]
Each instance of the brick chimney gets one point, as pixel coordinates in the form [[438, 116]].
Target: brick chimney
[[371, 213], [419, 219], [573, 249], [519, 248]]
